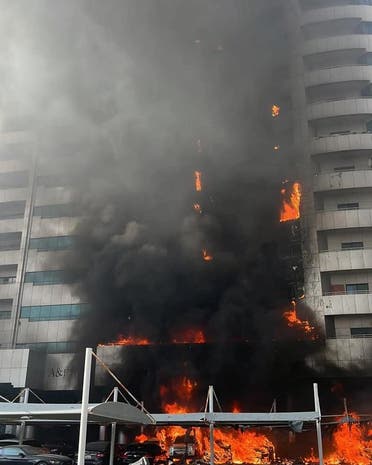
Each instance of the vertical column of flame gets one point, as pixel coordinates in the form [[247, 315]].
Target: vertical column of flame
[[290, 209], [198, 181]]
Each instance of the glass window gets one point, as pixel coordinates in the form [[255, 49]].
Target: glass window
[[10, 210], [361, 332], [53, 312], [59, 347], [13, 179], [10, 241], [348, 206], [55, 211], [345, 168], [45, 277], [352, 245], [12, 451], [359, 288], [52, 243]]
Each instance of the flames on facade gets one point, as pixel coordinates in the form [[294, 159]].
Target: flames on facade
[[128, 341], [198, 181], [207, 257], [293, 321], [190, 336], [198, 208], [275, 111], [231, 445], [291, 201]]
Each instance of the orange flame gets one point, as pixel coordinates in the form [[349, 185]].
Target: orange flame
[[128, 341], [294, 322], [197, 207], [207, 257], [231, 446], [198, 181], [351, 444], [275, 111], [191, 336], [290, 209]]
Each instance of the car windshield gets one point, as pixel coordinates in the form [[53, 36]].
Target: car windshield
[[30, 450]]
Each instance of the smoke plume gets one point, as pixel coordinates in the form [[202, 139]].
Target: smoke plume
[[129, 99]]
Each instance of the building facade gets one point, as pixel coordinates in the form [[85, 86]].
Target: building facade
[[37, 308], [333, 93]]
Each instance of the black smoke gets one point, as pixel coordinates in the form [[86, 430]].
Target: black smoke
[[130, 98]]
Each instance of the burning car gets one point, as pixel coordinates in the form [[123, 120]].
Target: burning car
[[184, 448]]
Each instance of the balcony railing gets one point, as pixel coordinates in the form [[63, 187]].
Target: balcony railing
[[331, 293]]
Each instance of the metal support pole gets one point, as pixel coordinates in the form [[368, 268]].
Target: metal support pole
[[84, 406], [211, 425], [22, 430], [113, 430], [318, 424]]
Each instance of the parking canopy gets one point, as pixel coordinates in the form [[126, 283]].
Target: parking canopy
[[107, 412]]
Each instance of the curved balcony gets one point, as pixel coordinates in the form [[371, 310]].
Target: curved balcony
[[362, 12], [347, 304], [339, 108], [362, 74], [342, 180], [343, 260], [332, 44], [341, 143], [343, 219]]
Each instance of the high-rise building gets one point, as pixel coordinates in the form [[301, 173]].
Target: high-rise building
[[333, 93], [37, 308]]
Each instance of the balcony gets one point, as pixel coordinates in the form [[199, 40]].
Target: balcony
[[361, 42], [342, 180], [339, 75], [344, 260], [362, 12], [341, 143], [11, 225], [344, 304], [342, 219], [339, 108]]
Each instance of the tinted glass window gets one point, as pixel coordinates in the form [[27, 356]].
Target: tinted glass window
[[12, 451]]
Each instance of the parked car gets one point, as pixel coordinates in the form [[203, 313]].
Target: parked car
[[60, 448], [184, 448], [98, 453], [149, 449], [28, 455], [15, 442]]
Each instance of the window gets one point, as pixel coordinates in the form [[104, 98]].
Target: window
[[45, 277], [55, 211], [54, 180], [53, 312], [50, 347], [5, 308], [13, 179], [352, 245], [11, 451], [345, 168], [10, 241], [361, 288], [330, 328], [361, 332], [9, 210], [8, 274], [52, 243], [365, 27], [348, 206]]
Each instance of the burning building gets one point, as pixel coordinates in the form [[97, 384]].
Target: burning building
[[333, 99]]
